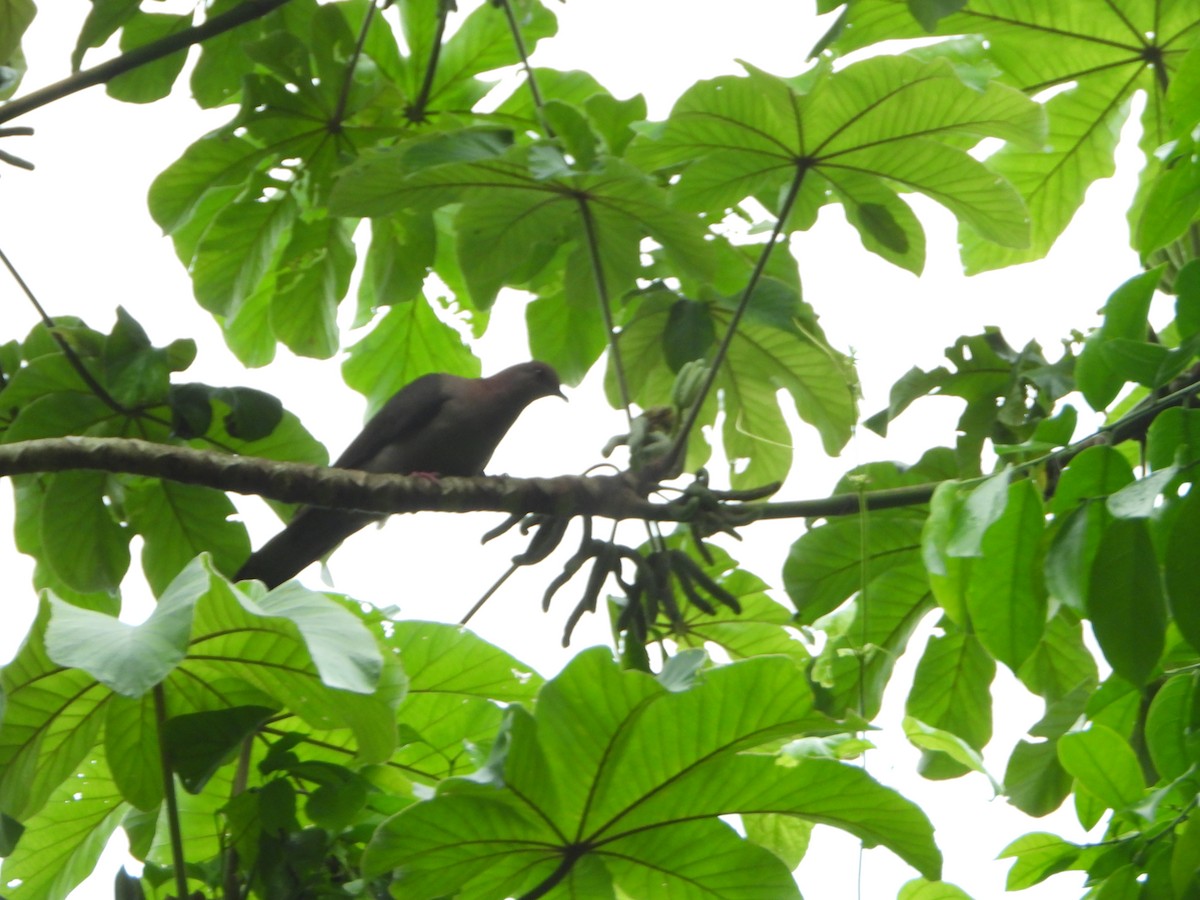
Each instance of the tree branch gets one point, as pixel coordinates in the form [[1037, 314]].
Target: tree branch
[[247, 11], [610, 496]]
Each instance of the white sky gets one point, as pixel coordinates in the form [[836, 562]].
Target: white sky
[[78, 230]]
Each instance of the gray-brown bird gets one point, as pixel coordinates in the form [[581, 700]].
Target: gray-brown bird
[[438, 424]]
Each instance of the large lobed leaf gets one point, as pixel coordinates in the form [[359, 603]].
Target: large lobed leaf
[[860, 135], [1101, 54], [616, 769], [296, 649]]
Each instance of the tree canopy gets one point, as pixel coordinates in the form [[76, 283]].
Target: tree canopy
[[300, 743]]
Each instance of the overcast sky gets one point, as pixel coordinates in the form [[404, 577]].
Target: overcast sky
[[78, 230]]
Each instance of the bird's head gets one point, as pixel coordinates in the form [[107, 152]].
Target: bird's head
[[531, 380]]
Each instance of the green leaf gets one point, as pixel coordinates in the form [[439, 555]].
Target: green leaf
[[826, 566], [786, 837], [1181, 95], [286, 440], [1171, 439], [1006, 598], [128, 659], [1185, 873], [398, 258], [761, 359], [340, 797], [689, 333], [951, 688], [63, 842], [1167, 726], [1069, 560], [132, 748], [151, 81], [80, 540], [447, 659], [584, 767], [928, 13], [1061, 664], [312, 278], [937, 740], [507, 237], [566, 327], [948, 575], [18, 14], [236, 251], [58, 414], [1139, 500], [519, 209], [1182, 569], [451, 707], [50, 722], [920, 889], [10, 833], [1171, 205], [1125, 600], [102, 22], [982, 508], [1036, 47], [220, 162], [1038, 856], [343, 651], [1104, 763], [1085, 124], [757, 630], [217, 76], [865, 639], [374, 368], [885, 223], [1094, 473], [135, 373], [484, 42], [28, 539], [740, 137], [199, 743], [1035, 781], [1124, 317], [179, 521]]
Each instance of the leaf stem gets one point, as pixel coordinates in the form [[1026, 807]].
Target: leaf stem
[[569, 858], [519, 41], [416, 109], [177, 860], [68, 351], [679, 449], [247, 11], [78, 365], [487, 595], [344, 95], [593, 246]]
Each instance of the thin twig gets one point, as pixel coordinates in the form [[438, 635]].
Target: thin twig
[[488, 594]]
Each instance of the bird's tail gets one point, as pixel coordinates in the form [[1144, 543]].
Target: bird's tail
[[311, 534]]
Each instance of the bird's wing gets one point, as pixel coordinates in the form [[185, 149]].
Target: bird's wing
[[410, 409]]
